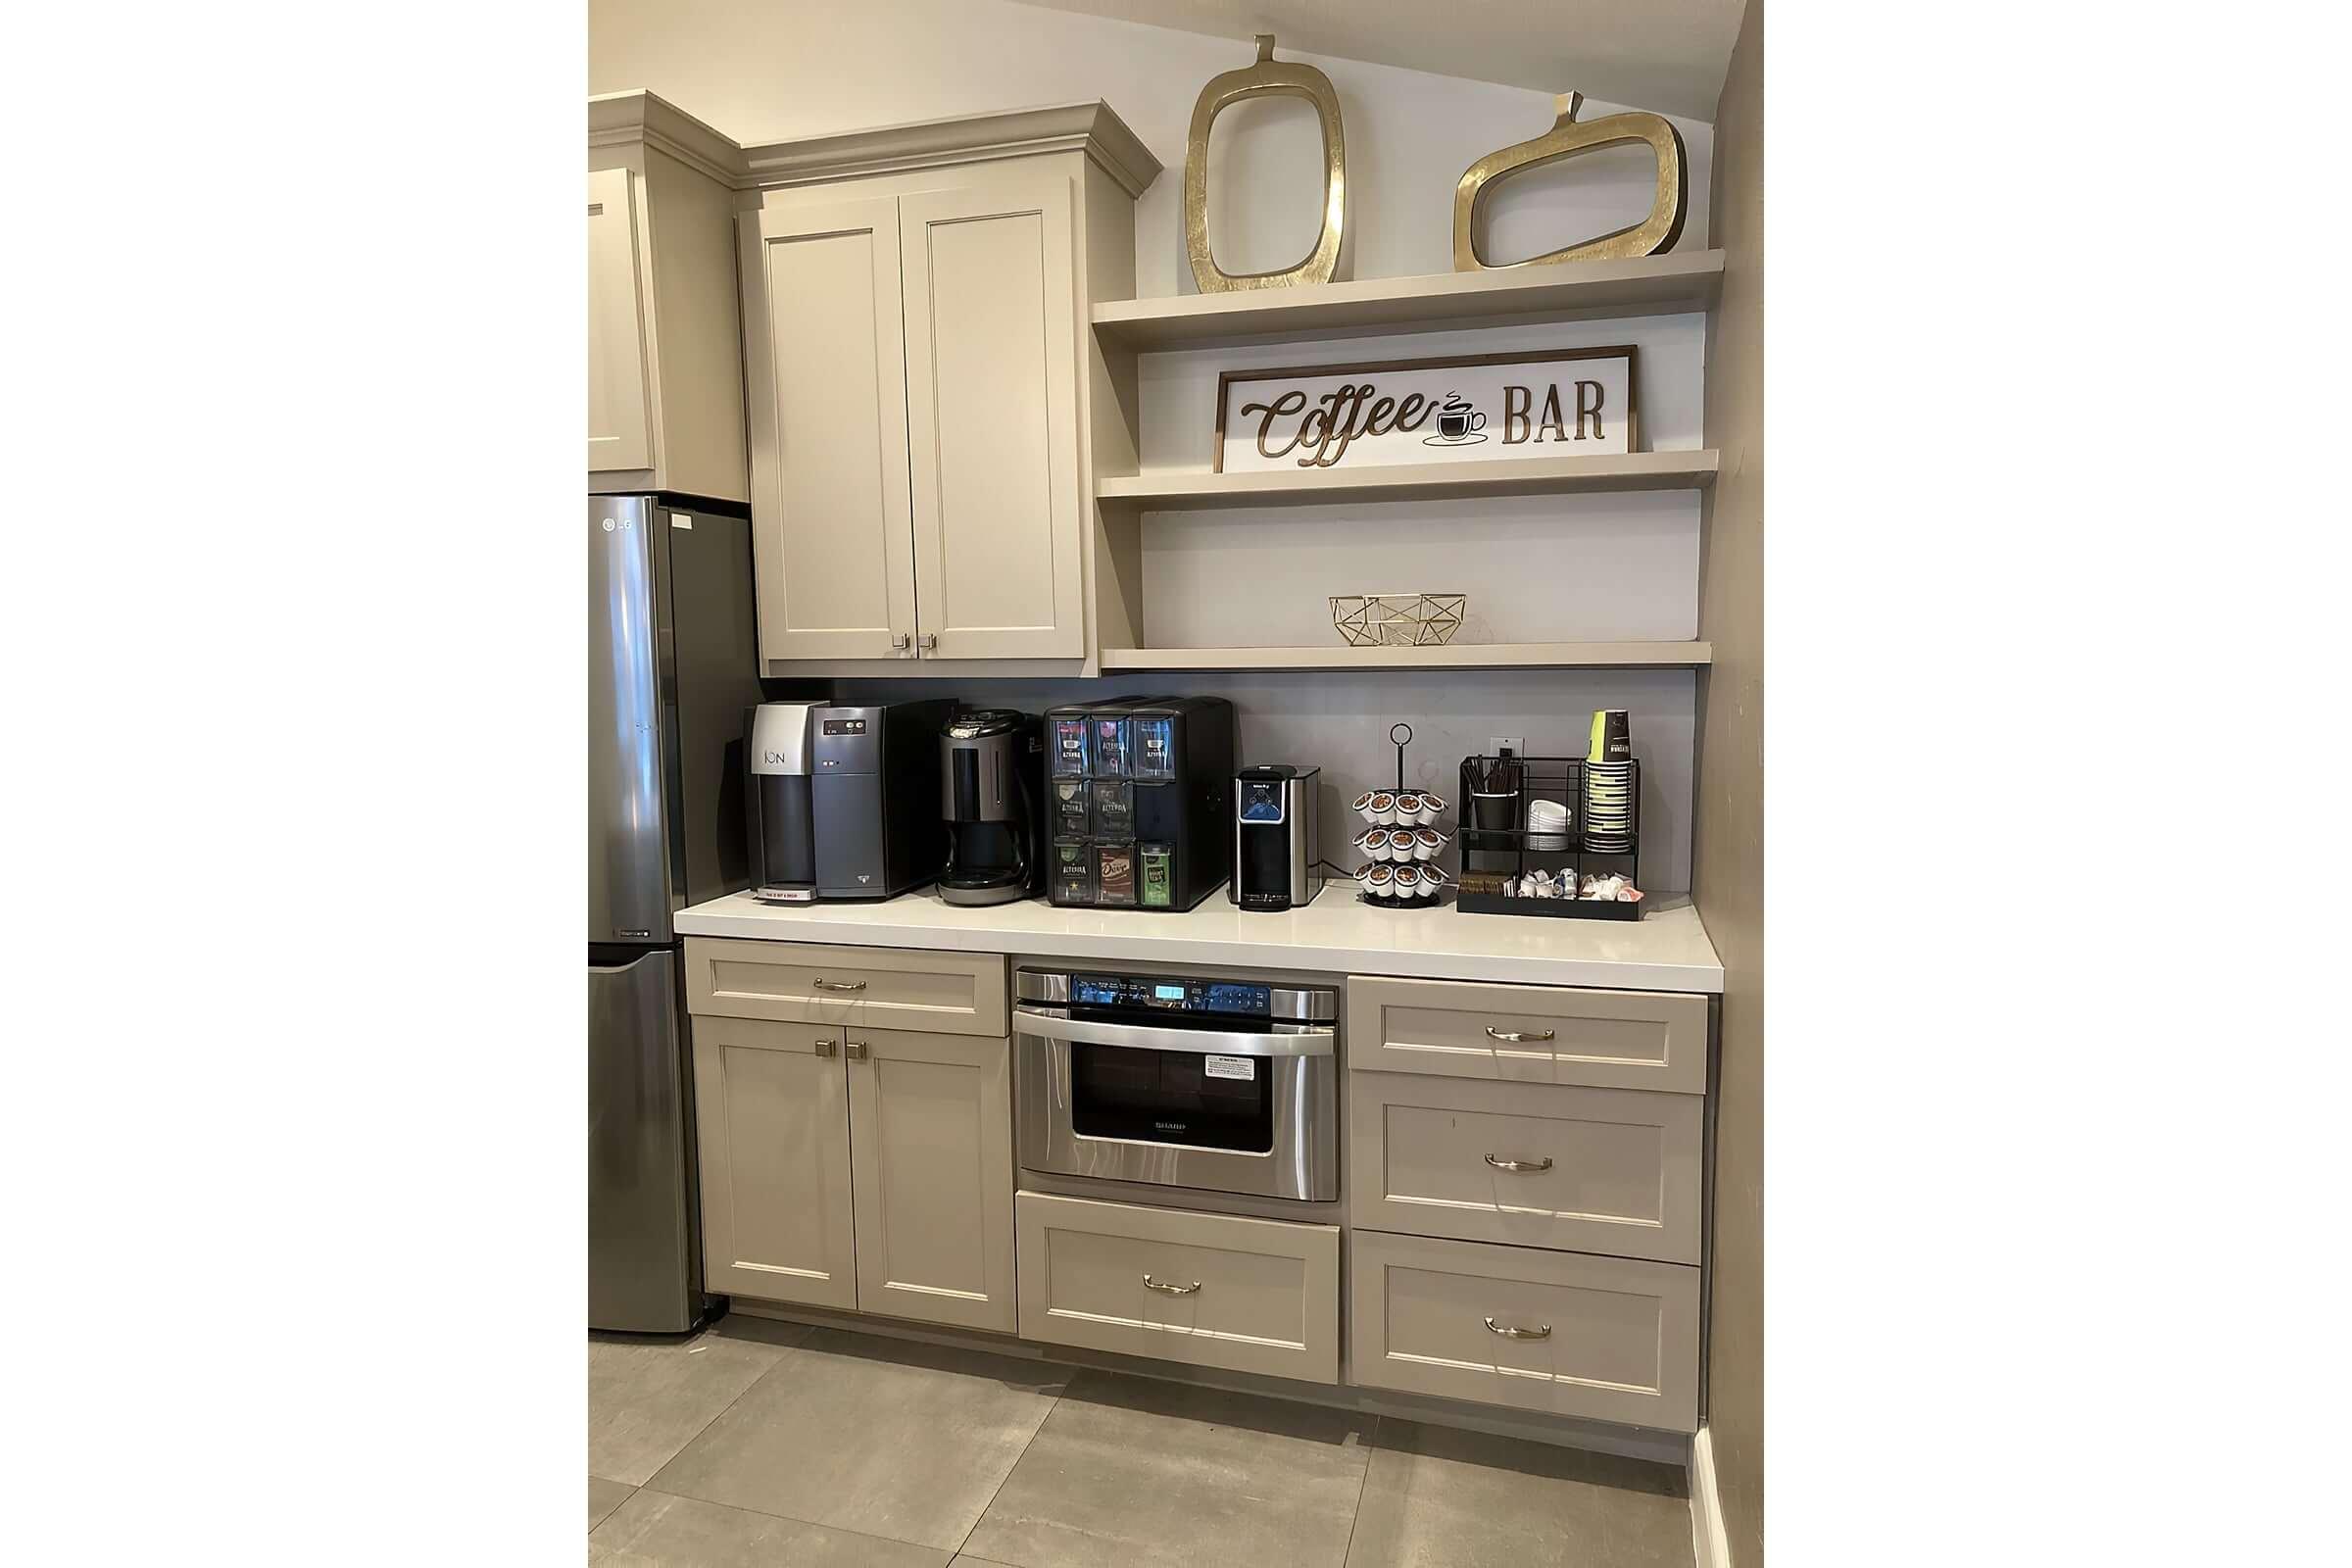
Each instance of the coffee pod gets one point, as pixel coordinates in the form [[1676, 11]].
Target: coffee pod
[[1409, 807], [1374, 843], [1363, 806], [1384, 808], [1426, 843], [1400, 843], [1381, 881], [1408, 881], [1433, 807], [1433, 878]]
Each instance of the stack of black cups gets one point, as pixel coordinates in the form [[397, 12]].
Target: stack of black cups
[[1609, 784]]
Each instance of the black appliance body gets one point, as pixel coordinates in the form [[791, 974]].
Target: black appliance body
[[1274, 837], [874, 797], [1177, 1080], [991, 779], [1138, 793], [780, 752]]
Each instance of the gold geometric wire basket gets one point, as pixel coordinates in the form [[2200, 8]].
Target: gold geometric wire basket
[[1397, 620]]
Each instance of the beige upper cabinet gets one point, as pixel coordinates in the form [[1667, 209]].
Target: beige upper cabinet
[[665, 342], [993, 421], [832, 536], [619, 433]]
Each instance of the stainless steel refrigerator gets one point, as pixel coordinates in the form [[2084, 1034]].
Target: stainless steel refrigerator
[[672, 664]]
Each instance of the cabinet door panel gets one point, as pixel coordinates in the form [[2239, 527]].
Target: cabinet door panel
[[824, 361], [773, 1122], [931, 1144], [620, 425], [993, 419]]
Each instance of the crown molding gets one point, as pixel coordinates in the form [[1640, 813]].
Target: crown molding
[[638, 115], [1093, 128]]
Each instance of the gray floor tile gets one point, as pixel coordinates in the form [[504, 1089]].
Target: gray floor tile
[[1436, 1498], [655, 1528], [878, 1436], [646, 1400], [1156, 1475], [603, 1496]]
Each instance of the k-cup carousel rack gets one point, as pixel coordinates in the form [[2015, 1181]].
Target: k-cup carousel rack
[[1412, 843]]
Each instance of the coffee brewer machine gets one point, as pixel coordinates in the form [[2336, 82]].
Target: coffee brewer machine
[[876, 791], [1274, 837], [781, 827], [990, 767]]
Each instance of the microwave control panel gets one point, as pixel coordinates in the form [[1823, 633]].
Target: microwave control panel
[[1229, 997]]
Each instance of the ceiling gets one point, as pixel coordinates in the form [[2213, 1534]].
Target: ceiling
[[1662, 55]]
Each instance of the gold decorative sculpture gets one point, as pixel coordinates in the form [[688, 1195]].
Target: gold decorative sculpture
[[1566, 139], [1268, 77]]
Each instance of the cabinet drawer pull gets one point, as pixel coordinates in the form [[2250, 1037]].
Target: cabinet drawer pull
[[823, 984], [857, 1053], [1544, 1333], [928, 642], [1520, 1164], [1152, 1284], [1518, 1037], [823, 1047]]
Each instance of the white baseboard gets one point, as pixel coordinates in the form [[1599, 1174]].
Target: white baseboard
[[1709, 1546]]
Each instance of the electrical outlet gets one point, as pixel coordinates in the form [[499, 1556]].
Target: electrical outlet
[[1516, 744]]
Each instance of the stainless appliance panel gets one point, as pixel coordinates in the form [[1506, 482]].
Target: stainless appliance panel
[[1302, 1071], [633, 786], [711, 657], [644, 1241]]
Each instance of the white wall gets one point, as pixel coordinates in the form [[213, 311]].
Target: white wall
[[771, 70]]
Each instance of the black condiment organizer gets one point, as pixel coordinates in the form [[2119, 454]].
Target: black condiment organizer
[[1496, 841]]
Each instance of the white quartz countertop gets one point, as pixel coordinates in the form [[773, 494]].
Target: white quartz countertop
[[1667, 949]]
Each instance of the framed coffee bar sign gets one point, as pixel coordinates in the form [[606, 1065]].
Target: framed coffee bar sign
[[1560, 403]]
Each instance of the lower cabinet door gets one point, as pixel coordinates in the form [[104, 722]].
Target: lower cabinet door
[[1209, 1290], [931, 1152], [772, 1123], [1610, 1339]]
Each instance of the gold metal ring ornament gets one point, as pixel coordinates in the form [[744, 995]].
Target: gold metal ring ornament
[[1268, 77], [1566, 139]]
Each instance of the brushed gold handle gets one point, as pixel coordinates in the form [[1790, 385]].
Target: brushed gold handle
[[1519, 1164], [858, 1051], [823, 984], [1152, 1284], [1544, 1333], [1516, 1037]]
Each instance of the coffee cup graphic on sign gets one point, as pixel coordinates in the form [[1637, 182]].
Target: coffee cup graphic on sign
[[1458, 425]]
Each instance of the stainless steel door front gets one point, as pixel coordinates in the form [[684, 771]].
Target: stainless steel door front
[[1301, 1065], [632, 792], [644, 1252]]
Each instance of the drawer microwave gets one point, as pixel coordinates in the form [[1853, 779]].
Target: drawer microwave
[[1219, 1085]]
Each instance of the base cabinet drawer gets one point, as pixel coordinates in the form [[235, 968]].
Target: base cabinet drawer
[[1208, 1290], [1592, 1170], [1529, 1034], [883, 988], [1606, 1338]]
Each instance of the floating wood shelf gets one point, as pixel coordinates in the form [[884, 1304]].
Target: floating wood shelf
[[1651, 285], [1186, 489], [1455, 655]]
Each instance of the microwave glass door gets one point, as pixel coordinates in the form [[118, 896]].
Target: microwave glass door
[[1173, 1097]]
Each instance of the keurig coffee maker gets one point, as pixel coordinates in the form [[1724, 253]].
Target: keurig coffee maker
[[1274, 837], [781, 831], [990, 772]]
